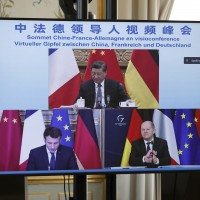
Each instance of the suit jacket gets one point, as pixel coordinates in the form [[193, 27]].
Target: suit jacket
[[112, 88], [65, 159], [138, 150]]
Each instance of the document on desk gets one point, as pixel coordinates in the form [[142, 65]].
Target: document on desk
[[180, 166], [127, 167]]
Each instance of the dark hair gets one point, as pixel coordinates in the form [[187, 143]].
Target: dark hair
[[52, 132], [99, 65]]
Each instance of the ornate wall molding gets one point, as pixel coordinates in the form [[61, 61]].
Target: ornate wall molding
[[123, 56], [6, 7]]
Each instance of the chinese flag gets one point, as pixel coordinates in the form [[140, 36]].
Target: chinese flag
[[109, 57], [10, 140]]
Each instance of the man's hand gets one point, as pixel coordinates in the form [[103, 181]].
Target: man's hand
[[151, 157]]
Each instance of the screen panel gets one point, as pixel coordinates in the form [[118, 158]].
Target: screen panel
[[28, 44], [24, 58]]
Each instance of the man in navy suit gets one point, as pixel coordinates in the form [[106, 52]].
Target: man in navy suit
[[149, 150], [62, 157], [112, 91]]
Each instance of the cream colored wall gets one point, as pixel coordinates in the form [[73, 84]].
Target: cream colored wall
[[30, 8], [93, 7], [50, 8], [124, 9], [52, 188]]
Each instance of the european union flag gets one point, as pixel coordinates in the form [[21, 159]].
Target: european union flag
[[188, 141], [60, 119]]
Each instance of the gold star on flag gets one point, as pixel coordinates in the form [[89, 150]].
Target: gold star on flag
[[102, 53], [186, 145], [59, 118], [66, 127], [180, 152], [196, 119], [183, 116], [94, 51], [190, 135], [67, 139], [189, 124], [5, 119], [14, 121]]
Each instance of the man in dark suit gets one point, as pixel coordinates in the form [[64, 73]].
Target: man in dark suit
[[112, 92], [149, 150], [52, 155]]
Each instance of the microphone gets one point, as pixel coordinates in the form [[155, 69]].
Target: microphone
[[98, 102], [108, 101], [152, 165]]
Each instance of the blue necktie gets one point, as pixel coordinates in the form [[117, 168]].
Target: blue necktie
[[52, 162], [148, 146]]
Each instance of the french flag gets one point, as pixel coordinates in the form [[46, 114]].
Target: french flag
[[32, 135], [163, 121], [64, 77], [86, 144]]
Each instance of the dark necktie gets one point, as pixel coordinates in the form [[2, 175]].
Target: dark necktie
[[99, 96], [148, 146], [52, 162]]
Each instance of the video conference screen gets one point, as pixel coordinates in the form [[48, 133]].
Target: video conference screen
[[43, 63]]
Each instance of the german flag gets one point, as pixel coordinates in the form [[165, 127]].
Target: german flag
[[134, 131], [142, 78], [86, 144]]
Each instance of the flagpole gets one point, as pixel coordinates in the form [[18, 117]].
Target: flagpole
[[111, 9], [80, 187], [82, 9]]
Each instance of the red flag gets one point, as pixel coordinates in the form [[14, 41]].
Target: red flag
[[64, 77], [86, 143], [10, 140], [109, 57], [197, 120]]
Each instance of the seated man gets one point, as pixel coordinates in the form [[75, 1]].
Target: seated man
[[100, 91], [52, 155], [149, 150]]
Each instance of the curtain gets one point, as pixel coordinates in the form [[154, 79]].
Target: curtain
[[139, 186], [151, 9], [144, 186]]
